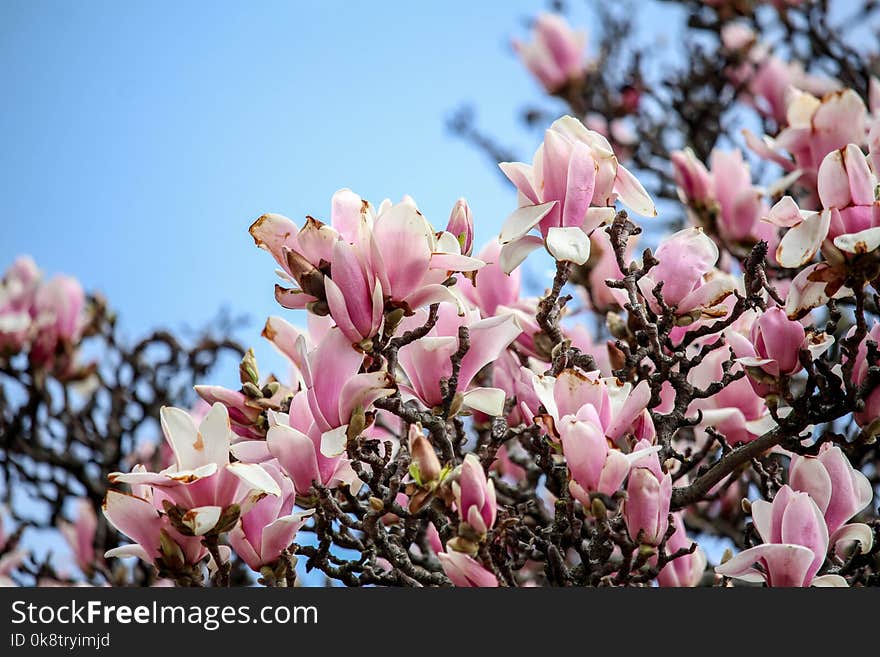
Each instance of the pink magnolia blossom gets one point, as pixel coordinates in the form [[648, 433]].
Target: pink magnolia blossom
[[619, 407], [463, 570], [556, 54], [725, 195], [849, 222], [362, 261], [648, 495], [461, 226], [737, 410], [428, 359], [774, 345], [594, 466], [80, 534], [687, 570], [568, 191], [295, 440], [58, 319], [17, 291], [839, 490], [869, 417], [815, 127], [155, 539], [202, 480], [475, 496], [795, 544], [336, 389], [686, 270], [270, 526]]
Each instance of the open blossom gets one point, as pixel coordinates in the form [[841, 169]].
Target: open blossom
[[556, 54], [429, 359], [648, 495], [475, 496], [815, 127], [839, 490], [202, 481], [769, 78], [594, 466], [295, 440], [849, 221], [725, 198], [17, 291], [686, 271], [567, 192], [463, 570], [869, 417], [795, 544], [684, 571], [156, 540], [338, 393], [363, 263], [737, 410], [270, 526], [619, 407]]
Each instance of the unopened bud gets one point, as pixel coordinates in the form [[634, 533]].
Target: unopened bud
[[172, 555], [598, 509], [248, 371]]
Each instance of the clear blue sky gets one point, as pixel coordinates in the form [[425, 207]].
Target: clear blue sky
[[141, 139]]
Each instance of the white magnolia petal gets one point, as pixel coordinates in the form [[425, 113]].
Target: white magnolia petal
[[513, 253], [798, 246], [334, 442], [202, 519], [522, 220], [835, 581], [486, 400], [568, 245], [864, 241]]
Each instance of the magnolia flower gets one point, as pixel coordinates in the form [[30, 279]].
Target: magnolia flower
[[295, 440], [58, 319], [463, 570], [80, 534], [795, 544], [774, 345], [429, 359], [17, 291], [849, 220], [270, 526], [390, 257], [156, 540], [619, 407], [338, 394], [556, 55], [202, 481], [685, 269], [461, 226], [815, 128], [648, 495], [475, 496], [839, 490], [737, 410], [684, 571], [568, 191], [594, 466], [869, 417]]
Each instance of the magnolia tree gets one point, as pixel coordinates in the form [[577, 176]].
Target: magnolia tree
[[703, 413]]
